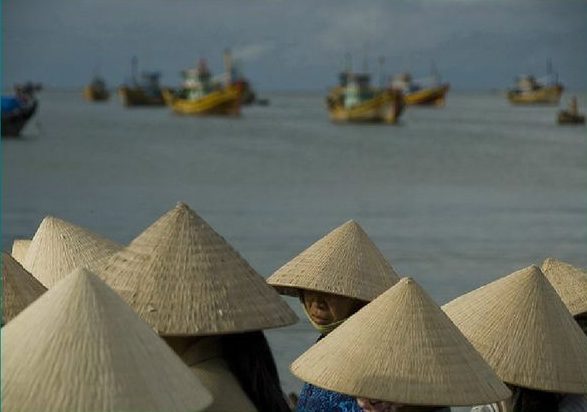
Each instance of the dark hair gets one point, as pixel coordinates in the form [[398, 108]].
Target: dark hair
[[250, 359], [530, 400]]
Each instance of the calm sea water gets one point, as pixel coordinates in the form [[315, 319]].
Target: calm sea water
[[454, 197]]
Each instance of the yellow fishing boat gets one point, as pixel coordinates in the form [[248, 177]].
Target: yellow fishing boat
[[96, 91], [423, 92], [203, 95], [356, 101], [529, 90]]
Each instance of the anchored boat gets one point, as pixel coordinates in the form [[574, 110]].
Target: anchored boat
[[429, 91], [203, 94], [143, 90], [529, 90], [17, 109], [355, 100], [571, 115], [96, 91]]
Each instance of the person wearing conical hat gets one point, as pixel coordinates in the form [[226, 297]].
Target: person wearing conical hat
[[19, 288], [58, 247], [79, 347], [570, 282], [525, 332], [209, 305], [401, 352], [334, 278]]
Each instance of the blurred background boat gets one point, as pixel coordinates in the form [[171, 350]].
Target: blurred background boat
[[529, 90], [96, 91], [427, 91], [143, 90], [202, 94], [17, 109], [355, 100], [571, 115]]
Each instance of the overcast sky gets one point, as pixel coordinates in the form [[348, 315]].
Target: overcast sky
[[295, 44]]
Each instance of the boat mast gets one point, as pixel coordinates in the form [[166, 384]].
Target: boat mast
[[228, 65], [134, 67]]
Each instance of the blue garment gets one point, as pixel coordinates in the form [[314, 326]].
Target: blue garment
[[314, 399], [9, 103]]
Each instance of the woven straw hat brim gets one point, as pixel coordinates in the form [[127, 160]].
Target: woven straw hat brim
[[19, 249], [184, 279], [525, 332], [401, 348], [569, 282], [80, 348], [59, 247], [19, 288], [344, 262]]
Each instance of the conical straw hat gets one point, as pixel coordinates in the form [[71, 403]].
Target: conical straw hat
[[59, 247], [19, 288], [569, 282], [344, 262], [81, 348], [19, 249], [524, 331], [401, 348], [184, 279]]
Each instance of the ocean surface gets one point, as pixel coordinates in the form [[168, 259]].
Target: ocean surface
[[454, 197]]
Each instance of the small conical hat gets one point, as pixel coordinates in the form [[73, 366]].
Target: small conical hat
[[525, 332], [344, 262], [19, 288], [401, 348], [81, 348], [569, 282], [59, 247], [19, 249], [183, 278]]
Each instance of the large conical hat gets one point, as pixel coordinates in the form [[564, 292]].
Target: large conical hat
[[569, 282], [59, 247], [401, 348], [525, 332], [344, 262], [183, 278], [19, 249], [81, 348], [19, 288]]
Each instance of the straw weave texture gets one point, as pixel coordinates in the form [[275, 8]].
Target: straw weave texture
[[59, 247], [19, 249], [569, 282], [401, 348], [344, 262], [19, 288], [80, 348], [184, 279], [525, 332]]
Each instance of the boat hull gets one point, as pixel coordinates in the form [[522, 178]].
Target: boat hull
[[225, 102], [568, 118], [431, 96], [549, 95], [95, 95], [136, 96], [14, 122], [385, 107]]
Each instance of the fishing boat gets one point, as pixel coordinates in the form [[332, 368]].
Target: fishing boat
[[529, 90], [571, 115], [143, 90], [355, 100], [18, 109], [96, 91], [202, 94], [428, 91]]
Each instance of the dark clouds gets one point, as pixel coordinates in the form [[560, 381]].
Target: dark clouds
[[477, 44]]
